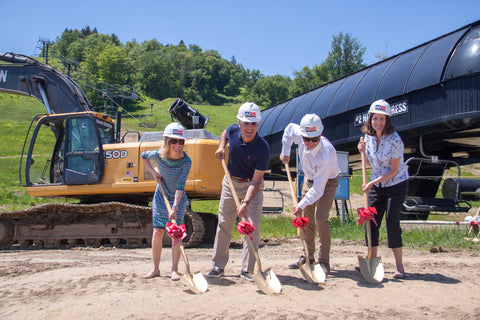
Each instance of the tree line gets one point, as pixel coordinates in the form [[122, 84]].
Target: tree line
[[198, 76]]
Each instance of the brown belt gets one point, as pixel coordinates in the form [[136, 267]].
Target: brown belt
[[240, 179], [311, 180]]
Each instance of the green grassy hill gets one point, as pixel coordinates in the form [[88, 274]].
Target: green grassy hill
[[17, 113]]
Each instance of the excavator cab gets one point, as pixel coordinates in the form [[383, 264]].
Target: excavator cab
[[66, 149]]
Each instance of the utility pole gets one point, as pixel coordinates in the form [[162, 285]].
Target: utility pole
[[43, 44]]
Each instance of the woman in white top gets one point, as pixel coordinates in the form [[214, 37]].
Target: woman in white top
[[388, 184]]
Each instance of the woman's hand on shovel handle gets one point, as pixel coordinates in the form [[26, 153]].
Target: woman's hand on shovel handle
[[173, 214], [366, 187], [361, 146]]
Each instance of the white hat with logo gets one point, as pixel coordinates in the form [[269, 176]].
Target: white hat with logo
[[174, 130], [249, 112], [380, 106], [311, 125]]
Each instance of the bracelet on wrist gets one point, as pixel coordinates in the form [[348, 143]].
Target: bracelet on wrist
[[246, 202]]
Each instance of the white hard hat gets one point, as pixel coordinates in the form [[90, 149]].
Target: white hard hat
[[311, 125], [249, 112], [174, 130], [380, 106]]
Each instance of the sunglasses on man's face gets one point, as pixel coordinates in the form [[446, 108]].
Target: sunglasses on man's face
[[247, 124], [315, 139], [175, 141]]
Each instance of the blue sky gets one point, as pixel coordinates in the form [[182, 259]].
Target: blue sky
[[274, 36]]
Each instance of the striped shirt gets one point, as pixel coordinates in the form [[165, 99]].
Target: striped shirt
[[174, 173]]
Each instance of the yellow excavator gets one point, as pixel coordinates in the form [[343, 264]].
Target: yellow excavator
[[74, 152]]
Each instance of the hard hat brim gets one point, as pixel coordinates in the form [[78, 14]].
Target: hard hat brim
[[380, 112], [249, 119], [311, 134], [175, 136]]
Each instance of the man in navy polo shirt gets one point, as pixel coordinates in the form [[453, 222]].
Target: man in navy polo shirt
[[248, 159]]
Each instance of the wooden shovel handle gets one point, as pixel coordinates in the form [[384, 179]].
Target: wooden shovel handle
[[234, 193], [290, 183], [364, 175], [182, 249], [292, 191], [365, 198], [165, 199], [237, 203]]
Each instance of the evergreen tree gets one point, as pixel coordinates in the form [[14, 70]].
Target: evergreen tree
[[345, 56]]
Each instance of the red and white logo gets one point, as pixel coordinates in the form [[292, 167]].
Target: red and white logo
[[310, 129]]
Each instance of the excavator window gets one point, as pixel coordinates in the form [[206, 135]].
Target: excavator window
[[83, 152], [45, 154], [106, 132]]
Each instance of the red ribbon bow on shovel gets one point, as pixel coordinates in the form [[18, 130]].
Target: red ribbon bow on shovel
[[176, 232], [245, 228], [300, 222], [366, 214]]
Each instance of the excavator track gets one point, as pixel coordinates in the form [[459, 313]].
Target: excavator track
[[57, 225]]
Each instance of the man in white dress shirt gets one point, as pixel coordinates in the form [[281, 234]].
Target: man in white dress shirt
[[318, 158]]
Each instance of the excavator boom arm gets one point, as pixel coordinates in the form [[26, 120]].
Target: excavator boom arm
[[26, 76]]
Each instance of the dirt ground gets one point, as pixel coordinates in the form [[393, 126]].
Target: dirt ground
[[107, 283]]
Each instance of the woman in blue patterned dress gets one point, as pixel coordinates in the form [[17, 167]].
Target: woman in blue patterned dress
[[171, 166], [388, 184]]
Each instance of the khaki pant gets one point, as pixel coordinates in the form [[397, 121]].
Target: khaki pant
[[227, 213], [319, 212]]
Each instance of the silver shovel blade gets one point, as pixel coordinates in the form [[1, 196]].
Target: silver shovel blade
[[196, 282], [267, 281], [318, 274], [371, 269], [312, 272], [306, 272]]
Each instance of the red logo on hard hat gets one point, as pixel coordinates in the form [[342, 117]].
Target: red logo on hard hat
[[251, 114], [177, 131], [310, 129], [380, 107]]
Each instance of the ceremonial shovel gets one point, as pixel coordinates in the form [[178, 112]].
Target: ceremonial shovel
[[195, 282], [371, 268], [312, 272], [266, 280]]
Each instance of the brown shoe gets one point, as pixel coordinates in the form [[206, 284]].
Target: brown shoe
[[325, 267], [301, 260]]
